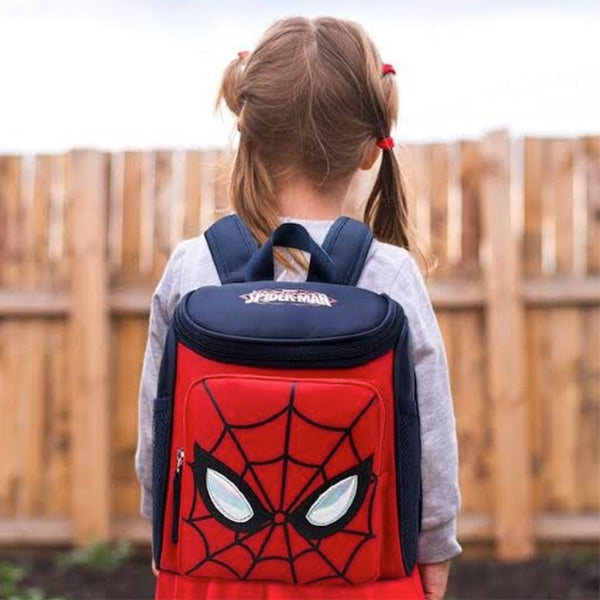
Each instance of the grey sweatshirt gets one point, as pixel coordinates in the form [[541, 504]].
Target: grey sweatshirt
[[389, 270]]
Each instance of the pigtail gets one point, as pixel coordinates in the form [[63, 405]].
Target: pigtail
[[250, 187], [231, 83], [251, 191], [386, 210]]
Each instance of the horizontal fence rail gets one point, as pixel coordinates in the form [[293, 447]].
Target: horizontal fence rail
[[514, 226]]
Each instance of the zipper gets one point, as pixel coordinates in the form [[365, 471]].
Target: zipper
[[177, 495], [350, 349]]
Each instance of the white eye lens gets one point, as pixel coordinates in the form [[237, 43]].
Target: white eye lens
[[333, 503], [227, 497]]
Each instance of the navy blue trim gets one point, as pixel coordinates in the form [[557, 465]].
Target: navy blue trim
[[284, 336], [348, 242], [291, 235], [408, 450], [282, 311], [231, 247], [161, 448]]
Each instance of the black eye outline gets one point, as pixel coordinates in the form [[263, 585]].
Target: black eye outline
[[298, 518], [203, 461]]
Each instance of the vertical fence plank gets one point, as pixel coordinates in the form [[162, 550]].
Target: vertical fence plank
[[129, 341], [537, 346], [563, 408], [438, 217], [563, 405], [208, 206], [90, 341], [10, 213], [470, 176], [32, 405], [592, 151], [192, 215], [221, 170], [422, 187], [537, 334], [533, 178], [506, 356], [587, 449], [472, 409], [10, 251], [58, 454], [131, 228], [163, 205], [60, 223], [561, 165]]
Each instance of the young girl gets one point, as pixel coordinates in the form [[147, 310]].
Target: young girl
[[315, 104]]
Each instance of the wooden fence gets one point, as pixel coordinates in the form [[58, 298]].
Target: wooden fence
[[515, 226]]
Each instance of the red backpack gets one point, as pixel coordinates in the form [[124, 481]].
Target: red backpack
[[286, 430]]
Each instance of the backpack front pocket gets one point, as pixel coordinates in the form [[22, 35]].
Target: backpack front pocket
[[281, 480]]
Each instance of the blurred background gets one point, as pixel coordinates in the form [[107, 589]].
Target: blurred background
[[111, 152]]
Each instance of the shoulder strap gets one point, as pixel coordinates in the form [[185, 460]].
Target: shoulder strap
[[348, 242], [231, 247]]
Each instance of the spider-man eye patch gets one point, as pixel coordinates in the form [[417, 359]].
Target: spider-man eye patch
[[226, 495], [234, 504], [331, 507]]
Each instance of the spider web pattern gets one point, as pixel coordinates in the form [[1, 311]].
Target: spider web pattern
[[256, 557]]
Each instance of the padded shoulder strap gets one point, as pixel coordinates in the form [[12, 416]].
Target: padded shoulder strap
[[348, 242], [231, 247]]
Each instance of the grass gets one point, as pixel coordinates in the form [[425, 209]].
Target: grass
[[96, 557], [11, 584]]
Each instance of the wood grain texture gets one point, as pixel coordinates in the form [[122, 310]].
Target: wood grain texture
[[83, 240], [505, 350], [90, 392]]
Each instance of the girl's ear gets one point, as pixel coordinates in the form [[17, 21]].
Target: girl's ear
[[370, 157]]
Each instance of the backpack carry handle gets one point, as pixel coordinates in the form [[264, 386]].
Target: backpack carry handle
[[291, 235]]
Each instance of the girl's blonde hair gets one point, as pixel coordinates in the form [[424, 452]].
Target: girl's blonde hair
[[312, 99]]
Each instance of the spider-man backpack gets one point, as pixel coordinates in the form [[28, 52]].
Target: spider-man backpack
[[286, 430]]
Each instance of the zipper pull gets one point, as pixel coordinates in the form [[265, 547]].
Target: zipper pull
[[180, 459], [177, 495]]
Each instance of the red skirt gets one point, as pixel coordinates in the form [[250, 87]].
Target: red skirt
[[179, 587]]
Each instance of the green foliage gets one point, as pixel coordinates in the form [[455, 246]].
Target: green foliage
[[97, 557], [11, 578], [583, 558]]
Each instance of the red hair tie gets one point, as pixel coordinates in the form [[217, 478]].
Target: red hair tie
[[387, 68], [386, 143]]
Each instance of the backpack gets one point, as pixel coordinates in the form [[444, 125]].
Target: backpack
[[286, 429]]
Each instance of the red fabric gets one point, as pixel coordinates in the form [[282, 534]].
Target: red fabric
[[386, 143], [387, 68], [276, 433], [178, 587], [380, 557]]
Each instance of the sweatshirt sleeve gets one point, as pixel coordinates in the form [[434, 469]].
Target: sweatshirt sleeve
[[164, 299], [439, 454]]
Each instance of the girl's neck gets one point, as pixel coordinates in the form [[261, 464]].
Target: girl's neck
[[297, 198]]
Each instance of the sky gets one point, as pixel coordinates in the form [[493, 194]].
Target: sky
[[118, 74]]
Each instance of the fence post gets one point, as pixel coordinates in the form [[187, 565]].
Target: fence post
[[506, 355], [89, 330]]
